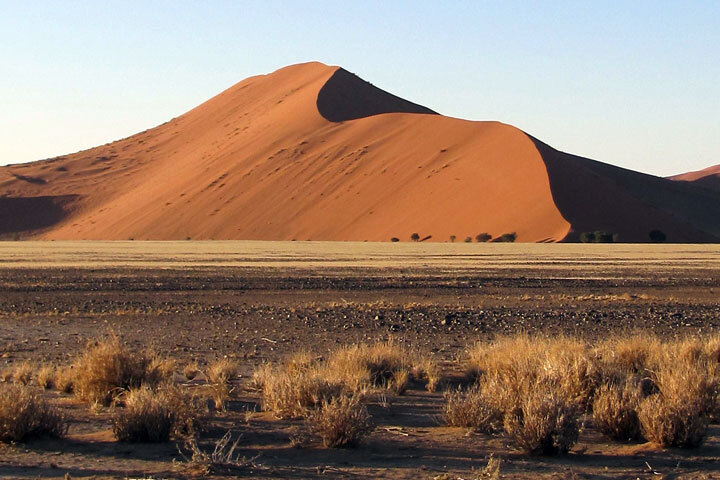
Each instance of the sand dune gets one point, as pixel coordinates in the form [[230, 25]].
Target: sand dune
[[312, 152], [708, 177]]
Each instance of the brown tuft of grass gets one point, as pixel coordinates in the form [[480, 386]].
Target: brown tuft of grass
[[46, 377], [687, 382], [633, 354], [615, 410], [292, 393], [375, 364], [222, 371], [108, 367], [426, 369], [546, 423], [341, 422], [25, 415], [472, 409], [23, 373], [65, 379], [222, 460], [154, 415]]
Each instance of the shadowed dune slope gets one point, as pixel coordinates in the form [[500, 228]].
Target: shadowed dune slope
[[312, 152], [708, 177]]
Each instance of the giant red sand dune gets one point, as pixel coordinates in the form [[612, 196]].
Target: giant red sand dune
[[312, 152], [708, 177]]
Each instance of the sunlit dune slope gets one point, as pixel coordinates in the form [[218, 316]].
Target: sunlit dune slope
[[312, 152]]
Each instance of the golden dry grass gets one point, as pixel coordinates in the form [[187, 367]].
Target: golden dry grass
[[46, 376], [107, 368], [615, 410], [341, 422], [25, 415]]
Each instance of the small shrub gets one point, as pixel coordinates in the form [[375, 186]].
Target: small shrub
[[154, 415], [191, 370], [221, 461], [472, 409], [394, 239], [468, 239], [483, 237], [506, 238], [415, 237], [24, 415], [671, 423], [107, 368], [545, 423], [292, 394], [657, 236], [400, 381], [46, 377], [598, 237], [615, 411], [341, 422], [452, 238]]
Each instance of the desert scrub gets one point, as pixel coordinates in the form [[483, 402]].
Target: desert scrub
[[545, 423], [107, 368], [152, 416], [65, 379], [615, 410], [427, 370], [341, 422], [46, 377], [23, 373], [687, 383], [512, 365], [472, 409], [382, 364], [290, 393], [222, 371], [24, 415]]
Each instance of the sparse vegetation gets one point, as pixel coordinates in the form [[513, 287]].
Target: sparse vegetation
[[25, 415], [341, 422], [149, 415], [415, 237], [506, 238], [472, 409], [598, 237], [46, 377], [483, 237], [394, 239], [468, 239], [107, 368], [615, 410], [452, 238]]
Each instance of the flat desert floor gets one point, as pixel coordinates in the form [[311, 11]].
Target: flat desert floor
[[260, 301]]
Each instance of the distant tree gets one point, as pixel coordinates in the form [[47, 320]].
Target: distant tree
[[587, 237], [604, 237], [468, 239], [452, 238], [415, 237], [483, 237], [506, 238], [394, 239], [657, 236]]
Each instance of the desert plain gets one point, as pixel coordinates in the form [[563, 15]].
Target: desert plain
[[256, 303]]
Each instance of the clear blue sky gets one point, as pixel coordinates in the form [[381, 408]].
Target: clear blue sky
[[635, 84]]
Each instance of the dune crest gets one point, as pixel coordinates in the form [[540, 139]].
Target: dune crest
[[312, 152]]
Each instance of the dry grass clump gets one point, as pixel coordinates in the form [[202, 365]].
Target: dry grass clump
[[65, 379], [222, 371], [632, 354], [108, 367], [382, 364], [472, 409], [46, 377], [24, 415], [687, 380], [546, 423], [23, 373], [291, 393], [221, 461], [426, 369], [341, 422], [511, 365], [539, 386], [615, 410], [154, 415], [191, 370]]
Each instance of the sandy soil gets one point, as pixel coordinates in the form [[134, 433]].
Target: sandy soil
[[257, 301]]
